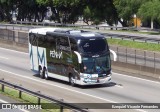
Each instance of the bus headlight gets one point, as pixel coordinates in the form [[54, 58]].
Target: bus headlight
[[81, 75]]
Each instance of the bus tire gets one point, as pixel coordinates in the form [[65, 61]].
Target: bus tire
[[46, 75], [71, 80], [39, 71], [42, 73]]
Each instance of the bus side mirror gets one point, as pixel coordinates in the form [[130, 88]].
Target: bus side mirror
[[79, 57], [114, 55]]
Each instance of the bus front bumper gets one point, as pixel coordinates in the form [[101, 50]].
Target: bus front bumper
[[97, 81]]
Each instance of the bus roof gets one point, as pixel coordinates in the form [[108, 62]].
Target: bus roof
[[76, 34], [42, 30]]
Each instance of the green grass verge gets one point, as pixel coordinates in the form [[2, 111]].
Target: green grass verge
[[134, 44], [26, 98]]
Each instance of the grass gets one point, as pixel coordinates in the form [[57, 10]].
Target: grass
[[134, 44], [26, 98]]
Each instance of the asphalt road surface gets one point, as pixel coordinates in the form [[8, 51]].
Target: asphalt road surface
[[6, 103], [15, 68]]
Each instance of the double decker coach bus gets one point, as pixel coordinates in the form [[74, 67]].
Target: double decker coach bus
[[75, 56]]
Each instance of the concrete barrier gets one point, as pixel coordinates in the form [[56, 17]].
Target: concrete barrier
[[13, 45], [136, 70]]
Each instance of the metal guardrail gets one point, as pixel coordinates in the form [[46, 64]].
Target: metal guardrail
[[134, 38], [85, 26], [40, 96], [149, 59], [25, 26], [137, 57]]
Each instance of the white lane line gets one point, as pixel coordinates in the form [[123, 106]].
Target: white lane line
[[31, 78], [2, 101], [14, 51], [119, 86], [137, 78], [3, 58], [112, 72], [107, 100]]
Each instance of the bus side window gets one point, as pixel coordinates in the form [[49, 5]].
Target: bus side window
[[42, 40], [50, 42], [64, 43], [33, 39], [73, 45]]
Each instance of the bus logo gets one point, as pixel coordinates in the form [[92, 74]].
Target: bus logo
[[55, 54]]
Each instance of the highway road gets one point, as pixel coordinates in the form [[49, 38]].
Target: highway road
[[15, 68], [6, 101]]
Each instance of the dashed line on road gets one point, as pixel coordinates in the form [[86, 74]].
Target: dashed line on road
[[14, 51], [119, 86], [107, 100], [3, 58], [136, 78], [112, 72]]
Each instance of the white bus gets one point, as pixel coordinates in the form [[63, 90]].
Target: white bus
[[75, 56]]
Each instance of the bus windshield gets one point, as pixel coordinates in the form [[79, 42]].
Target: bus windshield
[[93, 46], [96, 65]]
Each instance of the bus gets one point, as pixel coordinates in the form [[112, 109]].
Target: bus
[[76, 56]]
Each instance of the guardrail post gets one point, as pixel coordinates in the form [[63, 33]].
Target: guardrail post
[[135, 56], [145, 58], [20, 94], [39, 99], [61, 107], [117, 55], [126, 55], [154, 60], [2, 87]]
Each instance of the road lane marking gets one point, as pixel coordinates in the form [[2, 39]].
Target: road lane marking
[[112, 72], [136, 78], [119, 86], [14, 51], [31, 78], [3, 58], [2, 101], [107, 100]]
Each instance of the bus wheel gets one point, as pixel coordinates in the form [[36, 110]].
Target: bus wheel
[[46, 75], [71, 80], [42, 73]]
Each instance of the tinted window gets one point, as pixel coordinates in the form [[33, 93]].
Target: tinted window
[[51, 41], [63, 44], [93, 46], [42, 40], [73, 44], [33, 39], [99, 65]]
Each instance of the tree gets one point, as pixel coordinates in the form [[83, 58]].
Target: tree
[[68, 10], [126, 9], [87, 15], [150, 11], [6, 7], [100, 11]]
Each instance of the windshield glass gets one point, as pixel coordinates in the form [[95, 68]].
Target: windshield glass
[[97, 65], [93, 46]]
